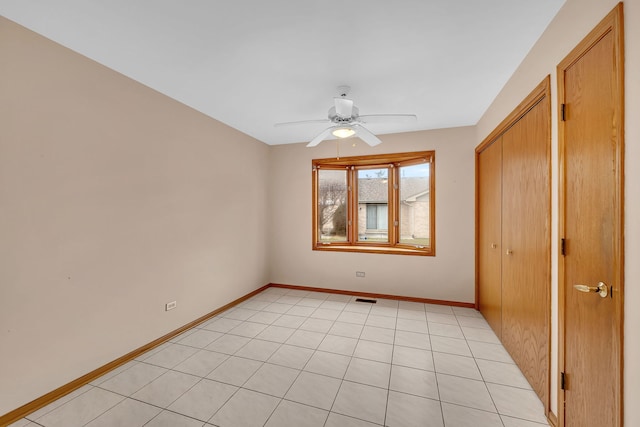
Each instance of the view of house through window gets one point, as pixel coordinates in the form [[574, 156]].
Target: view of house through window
[[414, 204], [373, 205], [381, 203]]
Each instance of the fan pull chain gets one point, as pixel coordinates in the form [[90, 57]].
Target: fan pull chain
[[337, 148]]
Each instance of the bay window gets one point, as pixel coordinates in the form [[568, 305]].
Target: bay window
[[376, 204]]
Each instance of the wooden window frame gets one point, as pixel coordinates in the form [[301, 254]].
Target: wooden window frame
[[352, 165]]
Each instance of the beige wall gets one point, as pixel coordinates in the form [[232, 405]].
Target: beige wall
[[448, 276], [573, 22], [111, 205], [114, 200]]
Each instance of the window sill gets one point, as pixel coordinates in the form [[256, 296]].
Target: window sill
[[376, 249]]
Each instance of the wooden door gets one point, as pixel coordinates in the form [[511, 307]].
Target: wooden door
[[489, 245], [591, 150], [526, 245]]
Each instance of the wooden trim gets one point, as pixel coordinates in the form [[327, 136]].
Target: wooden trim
[[432, 204], [62, 391], [476, 234], [543, 89], [552, 419], [547, 95], [56, 394], [371, 248], [394, 196], [352, 208], [392, 213], [547, 403], [371, 160], [539, 93], [374, 295], [314, 207], [613, 22], [392, 162]]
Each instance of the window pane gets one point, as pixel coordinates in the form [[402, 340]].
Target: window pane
[[372, 216], [332, 205], [383, 219], [414, 205], [373, 199]]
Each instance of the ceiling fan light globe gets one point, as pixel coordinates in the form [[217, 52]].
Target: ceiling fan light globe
[[343, 132]]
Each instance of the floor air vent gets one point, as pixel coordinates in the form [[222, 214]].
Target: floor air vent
[[370, 301]]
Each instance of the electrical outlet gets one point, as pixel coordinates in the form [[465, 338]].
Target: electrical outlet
[[359, 273], [170, 305]]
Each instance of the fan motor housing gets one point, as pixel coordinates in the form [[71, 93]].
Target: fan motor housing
[[333, 116]]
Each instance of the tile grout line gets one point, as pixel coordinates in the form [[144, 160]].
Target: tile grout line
[[349, 364], [347, 369], [299, 372], [329, 412], [315, 351], [58, 406], [281, 345], [297, 376], [241, 386], [393, 348]]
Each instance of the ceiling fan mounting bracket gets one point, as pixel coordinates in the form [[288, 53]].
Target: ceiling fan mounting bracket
[[343, 91]]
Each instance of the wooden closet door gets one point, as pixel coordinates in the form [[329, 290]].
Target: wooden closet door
[[489, 193], [526, 260]]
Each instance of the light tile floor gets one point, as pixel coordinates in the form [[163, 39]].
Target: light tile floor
[[306, 359]]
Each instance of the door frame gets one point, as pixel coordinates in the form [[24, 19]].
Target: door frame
[[537, 95], [612, 23]]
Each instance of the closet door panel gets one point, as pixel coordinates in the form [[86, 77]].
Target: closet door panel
[[489, 195], [526, 245]]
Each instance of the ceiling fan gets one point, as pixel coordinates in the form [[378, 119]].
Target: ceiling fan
[[346, 121]]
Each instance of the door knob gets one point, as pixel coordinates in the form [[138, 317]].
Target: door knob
[[494, 245], [509, 252], [602, 289]]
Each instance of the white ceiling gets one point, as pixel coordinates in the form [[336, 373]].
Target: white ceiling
[[253, 63]]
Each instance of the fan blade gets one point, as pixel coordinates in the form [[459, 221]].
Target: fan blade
[[388, 118], [318, 139], [301, 122], [364, 134], [344, 107]]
